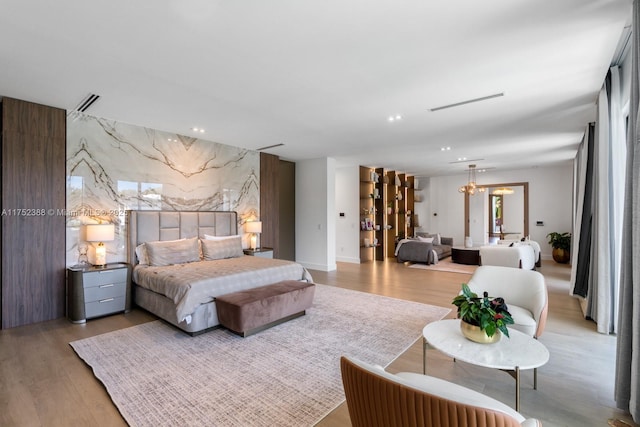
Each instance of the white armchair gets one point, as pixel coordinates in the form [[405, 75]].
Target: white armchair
[[524, 291], [377, 398]]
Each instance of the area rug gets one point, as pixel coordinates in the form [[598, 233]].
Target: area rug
[[288, 375], [447, 265]]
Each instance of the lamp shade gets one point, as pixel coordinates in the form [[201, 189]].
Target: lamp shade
[[253, 227], [100, 232]]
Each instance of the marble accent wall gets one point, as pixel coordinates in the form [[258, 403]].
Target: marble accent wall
[[113, 167]]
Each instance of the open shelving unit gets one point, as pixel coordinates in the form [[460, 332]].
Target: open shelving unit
[[367, 214], [386, 211]]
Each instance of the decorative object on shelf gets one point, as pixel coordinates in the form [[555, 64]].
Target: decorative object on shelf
[[100, 233], [502, 191], [367, 242], [471, 186], [468, 243], [561, 244], [255, 228], [83, 260], [397, 181], [489, 314]]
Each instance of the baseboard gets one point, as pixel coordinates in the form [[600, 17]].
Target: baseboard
[[319, 267], [350, 260]]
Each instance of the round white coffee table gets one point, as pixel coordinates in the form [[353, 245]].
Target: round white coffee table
[[513, 354]]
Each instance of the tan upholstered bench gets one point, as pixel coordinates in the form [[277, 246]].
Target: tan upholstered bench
[[253, 310]]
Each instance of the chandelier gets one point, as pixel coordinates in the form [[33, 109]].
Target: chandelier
[[471, 186], [503, 191]]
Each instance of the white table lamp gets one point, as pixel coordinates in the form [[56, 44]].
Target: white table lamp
[[255, 228], [100, 233]]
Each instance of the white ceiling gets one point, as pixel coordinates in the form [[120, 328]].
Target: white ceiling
[[322, 77]]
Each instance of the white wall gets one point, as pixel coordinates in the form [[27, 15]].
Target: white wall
[[315, 214], [478, 223], [513, 211], [550, 194], [348, 202]]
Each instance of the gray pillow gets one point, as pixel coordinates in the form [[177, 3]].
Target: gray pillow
[[220, 249], [170, 252]]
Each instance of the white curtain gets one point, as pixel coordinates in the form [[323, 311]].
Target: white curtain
[[627, 389], [609, 167], [579, 180], [600, 259]]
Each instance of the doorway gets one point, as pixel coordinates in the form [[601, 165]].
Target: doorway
[[496, 216], [480, 213]]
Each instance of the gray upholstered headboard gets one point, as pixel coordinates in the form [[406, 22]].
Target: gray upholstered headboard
[[151, 226]]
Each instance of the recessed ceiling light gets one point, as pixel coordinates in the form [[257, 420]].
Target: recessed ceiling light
[[461, 159], [197, 130], [394, 118], [445, 148]]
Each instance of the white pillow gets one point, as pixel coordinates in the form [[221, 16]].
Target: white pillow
[[210, 237], [426, 239], [168, 252], [223, 248], [141, 253]]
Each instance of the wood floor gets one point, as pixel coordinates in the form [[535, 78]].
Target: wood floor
[[43, 382]]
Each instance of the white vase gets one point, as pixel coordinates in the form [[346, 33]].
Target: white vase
[[468, 243]]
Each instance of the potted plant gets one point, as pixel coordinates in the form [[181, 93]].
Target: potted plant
[[482, 318], [561, 244]]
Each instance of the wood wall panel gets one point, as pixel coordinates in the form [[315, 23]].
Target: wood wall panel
[[269, 201], [33, 193], [287, 196]]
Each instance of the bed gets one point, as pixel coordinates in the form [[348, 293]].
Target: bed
[[183, 260]]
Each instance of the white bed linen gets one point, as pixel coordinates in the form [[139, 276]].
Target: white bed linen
[[192, 284]]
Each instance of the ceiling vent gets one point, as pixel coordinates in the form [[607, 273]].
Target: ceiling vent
[[270, 146], [469, 101], [84, 105]]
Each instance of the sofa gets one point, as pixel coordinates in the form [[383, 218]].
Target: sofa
[[424, 248], [516, 256]]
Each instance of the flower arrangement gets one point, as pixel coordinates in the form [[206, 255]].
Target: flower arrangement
[[490, 314]]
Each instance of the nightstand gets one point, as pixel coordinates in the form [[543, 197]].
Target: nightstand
[[98, 291], [260, 252]]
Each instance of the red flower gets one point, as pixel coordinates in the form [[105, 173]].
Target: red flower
[[498, 316]]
